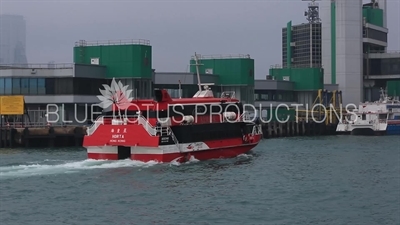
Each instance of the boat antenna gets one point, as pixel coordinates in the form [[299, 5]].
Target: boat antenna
[[197, 70]]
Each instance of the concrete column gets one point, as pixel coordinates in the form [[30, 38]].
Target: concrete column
[[326, 40], [349, 57]]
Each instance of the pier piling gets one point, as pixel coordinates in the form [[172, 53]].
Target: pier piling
[[58, 136]]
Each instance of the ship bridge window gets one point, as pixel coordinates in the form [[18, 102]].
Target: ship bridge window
[[364, 117]]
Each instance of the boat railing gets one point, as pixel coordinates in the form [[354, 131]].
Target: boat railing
[[95, 125], [228, 94], [122, 121], [162, 130], [174, 139], [147, 126]]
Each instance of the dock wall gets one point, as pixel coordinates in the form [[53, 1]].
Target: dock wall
[[42, 137], [67, 136]]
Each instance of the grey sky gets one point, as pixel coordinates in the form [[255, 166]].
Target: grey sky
[[176, 29]]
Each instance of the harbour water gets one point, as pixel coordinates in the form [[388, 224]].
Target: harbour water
[[300, 180]]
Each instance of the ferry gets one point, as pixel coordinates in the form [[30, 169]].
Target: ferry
[[373, 118], [166, 129]]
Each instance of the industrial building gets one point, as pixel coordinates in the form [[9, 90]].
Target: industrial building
[[342, 47], [302, 45], [301, 58], [72, 89], [315, 55], [354, 49], [235, 72]]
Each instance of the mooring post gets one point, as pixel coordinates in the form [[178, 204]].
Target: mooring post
[[6, 143], [25, 137], [11, 137], [51, 137], [1, 137]]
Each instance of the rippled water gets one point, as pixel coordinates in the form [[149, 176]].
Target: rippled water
[[320, 180]]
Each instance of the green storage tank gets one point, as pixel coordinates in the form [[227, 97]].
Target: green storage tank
[[123, 59], [232, 70], [373, 16], [393, 88], [305, 79]]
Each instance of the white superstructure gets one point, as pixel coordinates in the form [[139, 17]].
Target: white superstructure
[[373, 117]]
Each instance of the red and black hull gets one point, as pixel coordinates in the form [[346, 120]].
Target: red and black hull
[[168, 153], [201, 141]]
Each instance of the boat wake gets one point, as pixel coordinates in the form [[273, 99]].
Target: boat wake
[[51, 167], [176, 162], [46, 168]]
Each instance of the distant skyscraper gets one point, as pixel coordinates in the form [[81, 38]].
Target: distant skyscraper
[[12, 39]]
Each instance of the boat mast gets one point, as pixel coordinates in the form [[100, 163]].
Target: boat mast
[[180, 89], [197, 70]]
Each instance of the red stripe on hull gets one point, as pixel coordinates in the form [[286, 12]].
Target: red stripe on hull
[[391, 122], [228, 152]]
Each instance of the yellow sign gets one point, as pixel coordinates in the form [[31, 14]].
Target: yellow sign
[[12, 105]]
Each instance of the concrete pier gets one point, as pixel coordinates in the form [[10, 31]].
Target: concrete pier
[[62, 136], [300, 128], [65, 136]]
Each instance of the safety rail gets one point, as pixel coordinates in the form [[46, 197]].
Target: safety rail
[[147, 126], [175, 140], [302, 65], [34, 125], [136, 119], [228, 94], [83, 43], [37, 66], [221, 56], [383, 51], [95, 125]]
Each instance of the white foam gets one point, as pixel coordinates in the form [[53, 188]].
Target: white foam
[[67, 167], [246, 156], [176, 162]]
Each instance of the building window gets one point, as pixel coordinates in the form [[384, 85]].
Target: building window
[[7, 86], [377, 35], [41, 87], [388, 66], [33, 88], [16, 86], [25, 86], [63, 86], [2, 86], [256, 97], [264, 97]]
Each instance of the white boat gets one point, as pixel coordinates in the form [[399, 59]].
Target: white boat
[[381, 117]]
